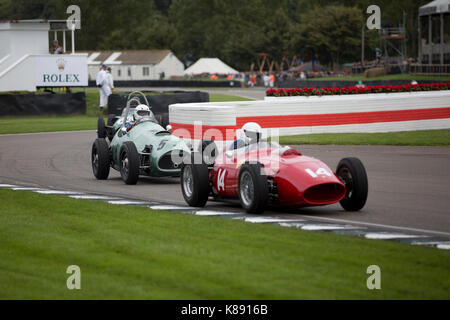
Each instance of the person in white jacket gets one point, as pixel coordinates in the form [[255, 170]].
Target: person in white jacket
[[103, 84], [110, 79]]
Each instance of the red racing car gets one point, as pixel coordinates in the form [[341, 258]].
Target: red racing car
[[260, 172]]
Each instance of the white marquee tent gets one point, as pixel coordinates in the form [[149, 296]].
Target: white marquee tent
[[211, 66]]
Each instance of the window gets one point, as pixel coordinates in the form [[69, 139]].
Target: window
[[119, 72], [145, 71], [129, 71]]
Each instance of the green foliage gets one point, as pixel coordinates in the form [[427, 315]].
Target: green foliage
[[330, 34], [233, 30]]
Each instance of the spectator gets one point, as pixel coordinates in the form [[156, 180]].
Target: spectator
[[103, 85], [56, 49], [252, 80], [242, 79], [110, 79], [272, 80], [266, 80]]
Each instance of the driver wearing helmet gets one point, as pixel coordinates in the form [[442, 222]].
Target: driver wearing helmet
[[141, 113], [251, 132]]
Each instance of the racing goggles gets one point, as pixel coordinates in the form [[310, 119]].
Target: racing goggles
[[143, 113]]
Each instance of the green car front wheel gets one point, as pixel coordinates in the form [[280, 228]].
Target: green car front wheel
[[129, 163]]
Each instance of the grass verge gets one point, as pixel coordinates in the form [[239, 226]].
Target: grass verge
[[136, 253], [46, 124], [406, 138]]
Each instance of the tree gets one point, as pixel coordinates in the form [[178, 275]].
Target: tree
[[233, 30], [329, 34]]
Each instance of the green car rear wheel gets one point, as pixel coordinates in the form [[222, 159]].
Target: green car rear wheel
[[100, 159]]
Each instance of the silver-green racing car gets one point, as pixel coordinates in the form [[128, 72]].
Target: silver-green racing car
[[136, 144]]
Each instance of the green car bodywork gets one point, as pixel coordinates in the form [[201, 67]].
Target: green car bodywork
[[145, 149], [156, 146]]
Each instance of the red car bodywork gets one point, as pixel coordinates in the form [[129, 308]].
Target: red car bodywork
[[296, 180]]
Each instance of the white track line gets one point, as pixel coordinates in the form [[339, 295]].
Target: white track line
[[8, 186], [431, 243], [325, 227], [292, 225], [169, 207], [129, 202], [312, 218], [215, 213], [27, 189], [92, 197], [269, 220], [57, 192], [390, 236]]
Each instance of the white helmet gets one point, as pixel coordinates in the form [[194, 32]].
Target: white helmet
[[141, 112], [252, 132]]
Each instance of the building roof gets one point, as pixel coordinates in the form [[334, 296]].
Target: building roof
[[117, 57], [435, 7], [211, 66]]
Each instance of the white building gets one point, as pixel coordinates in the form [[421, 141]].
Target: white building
[[136, 64]]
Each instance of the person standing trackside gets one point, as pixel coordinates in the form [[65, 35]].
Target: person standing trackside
[[271, 80], [110, 79], [102, 83], [266, 80]]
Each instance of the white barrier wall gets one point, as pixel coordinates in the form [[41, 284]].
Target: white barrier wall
[[381, 112]]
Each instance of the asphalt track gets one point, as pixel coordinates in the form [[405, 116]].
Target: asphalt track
[[409, 187]]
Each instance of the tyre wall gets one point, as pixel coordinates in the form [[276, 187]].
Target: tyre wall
[[42, 104], [159, 103]]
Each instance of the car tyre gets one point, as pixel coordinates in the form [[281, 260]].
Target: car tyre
[[100, 159], [352, 173], [129, 163], [209, 151], [111, 120], [110, 123], [195, 182], [101, 128], [253, 188]]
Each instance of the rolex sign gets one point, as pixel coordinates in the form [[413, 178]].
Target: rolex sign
[[61, 70]]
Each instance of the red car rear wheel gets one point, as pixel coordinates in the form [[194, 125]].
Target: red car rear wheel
[[253, 188]]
